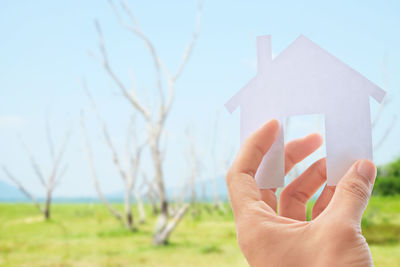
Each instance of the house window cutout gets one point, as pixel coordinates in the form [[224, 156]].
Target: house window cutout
[[298, 127]]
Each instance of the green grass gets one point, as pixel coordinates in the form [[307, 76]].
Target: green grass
[[86, 235]]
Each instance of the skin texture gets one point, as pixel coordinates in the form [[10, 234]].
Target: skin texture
[[270, 238]]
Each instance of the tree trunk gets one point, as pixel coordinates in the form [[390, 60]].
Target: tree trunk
[[128, 211], [156, 154], [46, 211], [161, 237], [195, 211], [161, 223], [204, 198], [153, 203], [142, 212], [217, 203], [163, 216]]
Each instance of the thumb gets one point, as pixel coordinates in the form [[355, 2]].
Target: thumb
[[353, 191]]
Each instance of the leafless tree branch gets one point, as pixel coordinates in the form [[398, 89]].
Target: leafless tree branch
[[386, 134], [132, 98], [58, 160], [50, 141], [154, 120], [128, 177], [22, 188], [185, 58], [106, 134], [50, 183], [113, 211], [60, 176], [34, 164], [190, 46], [135, 28], [382, 107], [163, 235], [194, 172]]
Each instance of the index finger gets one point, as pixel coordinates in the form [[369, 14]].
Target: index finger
[[240, 179], [254, 148]]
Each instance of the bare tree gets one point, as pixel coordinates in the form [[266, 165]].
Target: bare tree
[[151, 194], [194, 173], [142, 212], [217, 201], [128, 177], [204, 196], [389, 128], [53, 178], [154, 117], [221, 161], [134, 166]]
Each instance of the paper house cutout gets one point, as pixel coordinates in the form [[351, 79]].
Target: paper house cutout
[[306, 79]]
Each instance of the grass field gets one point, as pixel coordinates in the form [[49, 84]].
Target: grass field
[[85, 235]]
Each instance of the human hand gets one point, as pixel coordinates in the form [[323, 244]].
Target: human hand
[[267, 238]]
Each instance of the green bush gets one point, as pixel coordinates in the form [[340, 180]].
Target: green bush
[[388, 179], [387, 186]]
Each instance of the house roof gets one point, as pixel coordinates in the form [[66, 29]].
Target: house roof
[[264, 41]]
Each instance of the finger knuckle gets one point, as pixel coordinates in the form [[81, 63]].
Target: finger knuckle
[[301, 196], [295, 195], [284, 193], [321, 168], [346, 231]]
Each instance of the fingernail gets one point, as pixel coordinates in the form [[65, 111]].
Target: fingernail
[[367, 169]]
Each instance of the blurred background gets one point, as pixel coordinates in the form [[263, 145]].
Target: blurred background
[[113, 134]]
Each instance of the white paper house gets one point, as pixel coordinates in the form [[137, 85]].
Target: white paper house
[[306, 79]]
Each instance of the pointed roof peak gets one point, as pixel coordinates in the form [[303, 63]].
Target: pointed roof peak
[[302, 45], [304, 39]]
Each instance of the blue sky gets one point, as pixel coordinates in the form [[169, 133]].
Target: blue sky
[[44, 53]]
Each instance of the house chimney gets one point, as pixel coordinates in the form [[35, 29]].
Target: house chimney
[[264, 52]]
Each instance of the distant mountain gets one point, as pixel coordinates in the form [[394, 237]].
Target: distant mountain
[[9, 192], [204, 191]]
